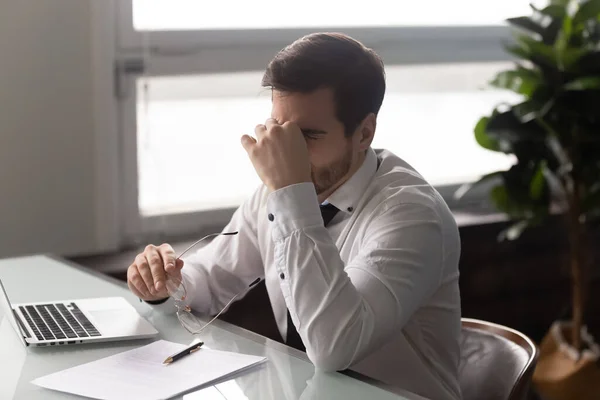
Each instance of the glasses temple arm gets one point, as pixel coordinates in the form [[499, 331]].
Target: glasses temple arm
[[205, 237]]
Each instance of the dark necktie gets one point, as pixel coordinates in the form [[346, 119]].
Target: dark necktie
[[328, 211]]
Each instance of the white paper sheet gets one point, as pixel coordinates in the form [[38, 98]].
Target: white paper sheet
[[140, 374]]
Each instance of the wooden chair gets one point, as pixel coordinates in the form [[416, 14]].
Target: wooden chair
[[497, 362]]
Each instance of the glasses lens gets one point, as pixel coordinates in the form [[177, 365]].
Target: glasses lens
[[190, 322], [175, 288]]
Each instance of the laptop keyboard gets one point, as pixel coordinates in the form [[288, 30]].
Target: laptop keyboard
[[56, 321]]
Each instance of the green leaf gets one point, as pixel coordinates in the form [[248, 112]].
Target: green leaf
[[514, 231], [552, 30], [562, 41], [483, 138], [522, 80], [585, 83], [545, 55], [538, 182], [535, 47], [527, 24], [503, 202], [538, 105], [554, 11], [545, 94], [507, 130], [540, 53], [565, 56], [570, 57], [517, 51], [526, 111], [588, 10]]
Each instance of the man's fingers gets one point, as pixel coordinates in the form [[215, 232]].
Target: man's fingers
[[272, 123], [157, 260], [179, 264], [135, 281], [131, 284], [156, 266], [170, 264], [260, 130], [168, 255], [248, 142], [143, 264]]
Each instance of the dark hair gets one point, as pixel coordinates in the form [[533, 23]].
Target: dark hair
[[331, 60]]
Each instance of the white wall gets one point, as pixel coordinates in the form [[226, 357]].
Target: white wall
[[47, 164]]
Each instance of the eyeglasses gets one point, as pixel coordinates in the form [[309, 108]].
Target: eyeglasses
[[178, 292]]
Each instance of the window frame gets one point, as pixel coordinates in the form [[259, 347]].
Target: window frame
[[163, 53]]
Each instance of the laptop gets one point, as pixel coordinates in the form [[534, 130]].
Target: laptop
[[75, 321]]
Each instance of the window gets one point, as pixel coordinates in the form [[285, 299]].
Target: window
[[190, 127], [189, 135], [159, 15], [190, 83]]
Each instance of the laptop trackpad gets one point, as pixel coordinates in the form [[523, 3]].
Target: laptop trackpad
[[118, 322]]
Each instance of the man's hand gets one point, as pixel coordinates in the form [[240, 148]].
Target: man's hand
[[279, 154], [147, 276]]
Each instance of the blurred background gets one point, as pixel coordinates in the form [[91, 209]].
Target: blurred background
[[121, 119], [120, 124]]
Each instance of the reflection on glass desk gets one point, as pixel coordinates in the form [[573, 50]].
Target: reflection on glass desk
[[287, 374]]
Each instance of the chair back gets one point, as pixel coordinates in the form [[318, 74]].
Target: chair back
[[496, 363]]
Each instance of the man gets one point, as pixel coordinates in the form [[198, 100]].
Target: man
[[359, 254]]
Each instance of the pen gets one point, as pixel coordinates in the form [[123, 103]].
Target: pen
[[183, 353]]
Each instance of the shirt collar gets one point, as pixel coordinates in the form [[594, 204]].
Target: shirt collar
[[346, 197]]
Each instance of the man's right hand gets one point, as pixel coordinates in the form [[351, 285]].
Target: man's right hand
[[147, 276]]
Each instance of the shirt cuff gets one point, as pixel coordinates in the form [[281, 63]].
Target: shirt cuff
[[156, 302], [292, 208]]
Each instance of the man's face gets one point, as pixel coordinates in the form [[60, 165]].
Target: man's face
[[332, 155]]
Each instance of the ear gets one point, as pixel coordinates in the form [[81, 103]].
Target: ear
[[366, 131]]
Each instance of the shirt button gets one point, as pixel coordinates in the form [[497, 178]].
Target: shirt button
[[350, 209], [271, 217], [282, 275]]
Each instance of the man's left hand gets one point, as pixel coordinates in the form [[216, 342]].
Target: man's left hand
[[279, 154]]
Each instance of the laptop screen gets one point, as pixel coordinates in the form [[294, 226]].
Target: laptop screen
[[7, 312]]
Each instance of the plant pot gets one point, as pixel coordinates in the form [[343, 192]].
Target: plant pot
[[561, 373]]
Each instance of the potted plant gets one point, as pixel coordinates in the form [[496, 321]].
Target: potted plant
[[554, 136]]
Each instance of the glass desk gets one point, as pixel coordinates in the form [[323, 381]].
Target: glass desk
[[287, 374]]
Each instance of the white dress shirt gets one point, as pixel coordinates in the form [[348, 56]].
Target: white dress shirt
[[375, 291]]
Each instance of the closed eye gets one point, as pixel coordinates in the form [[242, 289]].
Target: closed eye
[[313, 133]]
